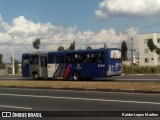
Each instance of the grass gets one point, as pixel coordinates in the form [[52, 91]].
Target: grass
[[102, 85]]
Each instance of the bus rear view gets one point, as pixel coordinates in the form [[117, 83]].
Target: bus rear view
[[114, 62]]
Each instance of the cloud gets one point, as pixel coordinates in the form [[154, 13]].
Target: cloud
[[101, 14], [128, 8], [4, 26], [52, 36], [23, 27]]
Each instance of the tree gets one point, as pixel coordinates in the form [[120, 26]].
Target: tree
[[60, 48], [124, 50], [16, 62], [151, 45], [72, 46], [89, 47], [36, 43], [2, 65]]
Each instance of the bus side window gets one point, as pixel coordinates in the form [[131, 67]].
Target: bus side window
[[83, 57], [92, 57], [60, 60], [100, 57], [71, 58], [34, 59], [97, 57], [51, 59], [43, 61], [25, 62]]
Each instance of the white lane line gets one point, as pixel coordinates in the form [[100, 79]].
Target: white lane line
[[85, 99], [5, 106], [140, 79]]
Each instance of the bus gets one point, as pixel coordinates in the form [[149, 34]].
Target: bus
[[75, 64]]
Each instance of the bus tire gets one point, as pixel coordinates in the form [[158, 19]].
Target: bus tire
[[35, 76], [75, 76]]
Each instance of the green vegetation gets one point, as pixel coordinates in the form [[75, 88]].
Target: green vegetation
[[152, 46], [36, 43], [88, 48], [72, 46], [60, 48], [106, 85], [140, 69], [124, 50], [16, 62], [2, 65]]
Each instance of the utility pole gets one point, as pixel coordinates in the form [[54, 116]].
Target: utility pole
[[138, 58], [13, 70], [132, 54]]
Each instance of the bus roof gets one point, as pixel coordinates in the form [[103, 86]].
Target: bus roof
[[35, 53], [71, 51], [82, 51]]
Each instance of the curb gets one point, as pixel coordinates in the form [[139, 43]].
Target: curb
[[140, 74], [88, 89]]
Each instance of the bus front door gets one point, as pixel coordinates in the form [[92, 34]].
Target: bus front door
[[25, 65], [43, 67]]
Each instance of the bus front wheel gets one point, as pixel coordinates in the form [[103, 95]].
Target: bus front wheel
[[75, 76], [35, 76]]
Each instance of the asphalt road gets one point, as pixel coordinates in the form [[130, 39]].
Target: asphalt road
[[15, 99], [134, 77]]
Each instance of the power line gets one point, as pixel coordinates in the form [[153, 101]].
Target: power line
[[89, 38], [149, 26], [136, 29]]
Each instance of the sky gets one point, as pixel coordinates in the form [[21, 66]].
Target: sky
[[87, 22]]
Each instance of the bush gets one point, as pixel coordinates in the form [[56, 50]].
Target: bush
[[140, 69]]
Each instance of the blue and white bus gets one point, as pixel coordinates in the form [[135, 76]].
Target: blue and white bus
[[76, 64]]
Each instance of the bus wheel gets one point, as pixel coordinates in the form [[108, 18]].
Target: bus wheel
[[35, 76], [75, 76]]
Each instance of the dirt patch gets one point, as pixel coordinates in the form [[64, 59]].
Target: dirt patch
[[105, 85]]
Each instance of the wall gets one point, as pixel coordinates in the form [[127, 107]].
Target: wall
[[152, 56]]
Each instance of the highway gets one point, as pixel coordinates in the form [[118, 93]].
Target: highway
[[17, 99], [134, 77]]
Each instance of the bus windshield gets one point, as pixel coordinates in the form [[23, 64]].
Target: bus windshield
[[115, 54]]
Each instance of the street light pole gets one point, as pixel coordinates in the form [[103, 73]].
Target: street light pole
[[132, 53], [13, 68], [132, 50]]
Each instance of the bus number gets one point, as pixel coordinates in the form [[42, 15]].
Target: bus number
[[101, 65]]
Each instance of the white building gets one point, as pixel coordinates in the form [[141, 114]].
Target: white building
[[147, 58]]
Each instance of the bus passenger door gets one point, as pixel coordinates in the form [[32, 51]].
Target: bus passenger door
[[25, 65], [43, 67]]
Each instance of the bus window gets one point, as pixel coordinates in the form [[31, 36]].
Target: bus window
[[100, 57], [115, 54], [60, 59], [25, 65], [83, 57], [43, 61], [34, 59], [51, 59], [97, 57], [71, 58], [25, 60]]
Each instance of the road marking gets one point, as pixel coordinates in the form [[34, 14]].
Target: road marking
[[138, 79], [5, 106], [85, 99]]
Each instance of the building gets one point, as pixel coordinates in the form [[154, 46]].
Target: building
[[147, 58]]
